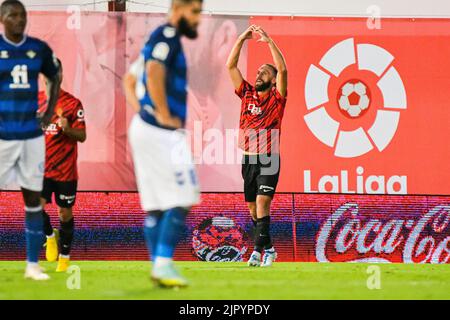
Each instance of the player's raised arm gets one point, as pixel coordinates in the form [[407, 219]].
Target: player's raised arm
[[233, 58], [278, 59]]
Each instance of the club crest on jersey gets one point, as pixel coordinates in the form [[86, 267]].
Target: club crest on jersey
[[80, 115], [4, 54], [254, 110], [31, 54], [169, 32]]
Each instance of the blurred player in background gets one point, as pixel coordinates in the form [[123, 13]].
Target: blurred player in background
[[156, 88], [67, 127], [22, 147], [209, 96], [262, 110]]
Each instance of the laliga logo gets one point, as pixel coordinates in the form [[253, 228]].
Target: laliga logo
[[354, 98]]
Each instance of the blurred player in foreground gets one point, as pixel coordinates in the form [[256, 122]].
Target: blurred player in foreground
[[262, 111], [156, 88], [66, 129], [22, 147]]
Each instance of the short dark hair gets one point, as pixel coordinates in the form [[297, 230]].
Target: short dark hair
[[274, 69], [7, 3]]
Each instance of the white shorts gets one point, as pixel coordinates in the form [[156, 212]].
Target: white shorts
[[163, 165], [24, 159]]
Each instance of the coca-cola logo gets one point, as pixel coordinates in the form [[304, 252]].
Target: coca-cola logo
[[345, 236]]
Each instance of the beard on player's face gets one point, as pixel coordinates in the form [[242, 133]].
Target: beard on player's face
[[186, 29], [262, 85]]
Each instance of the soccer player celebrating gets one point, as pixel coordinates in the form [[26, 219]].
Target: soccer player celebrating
[[66, 129], [165, 173], [22, 148], [260, 122]]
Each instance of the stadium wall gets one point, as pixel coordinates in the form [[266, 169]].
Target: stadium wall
[[398, 146], [307, 228]]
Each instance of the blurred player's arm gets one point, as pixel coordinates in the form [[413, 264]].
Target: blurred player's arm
[[233, 58], [52, 71], [129, 84], [156, 86], [278, 59], [75, 127], [53, 86]]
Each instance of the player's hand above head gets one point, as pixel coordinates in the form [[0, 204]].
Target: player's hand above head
[[247, 34], [264, 36]]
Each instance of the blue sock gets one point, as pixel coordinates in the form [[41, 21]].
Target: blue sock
[[34, 234], [151, 231], [172, 226]]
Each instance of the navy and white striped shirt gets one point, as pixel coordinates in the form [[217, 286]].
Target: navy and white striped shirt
[[164, 45], [20, 65]]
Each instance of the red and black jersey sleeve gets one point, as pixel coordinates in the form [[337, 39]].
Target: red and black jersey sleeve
[[77, 120], [279, 97], [243, 89]]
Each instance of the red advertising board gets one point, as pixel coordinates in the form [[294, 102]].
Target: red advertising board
[[307, 228], [367, 109]]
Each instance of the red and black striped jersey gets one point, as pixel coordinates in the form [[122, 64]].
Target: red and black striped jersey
[[260, 122], [61, 151]]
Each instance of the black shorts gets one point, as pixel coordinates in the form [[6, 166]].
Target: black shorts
[[260, 173], [65, 192]]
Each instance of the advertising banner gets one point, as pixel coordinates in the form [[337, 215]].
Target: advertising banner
[[305, 228], [367, 109]]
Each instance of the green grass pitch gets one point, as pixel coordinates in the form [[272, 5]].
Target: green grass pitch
[[130, 280]]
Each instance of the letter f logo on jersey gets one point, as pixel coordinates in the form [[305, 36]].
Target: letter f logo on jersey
[[254, 110]]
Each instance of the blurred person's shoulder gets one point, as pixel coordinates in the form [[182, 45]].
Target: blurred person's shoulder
[[36, 42], [164, 32]]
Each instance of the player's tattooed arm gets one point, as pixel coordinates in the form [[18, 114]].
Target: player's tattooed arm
[[278, 59], [73, 133], [156, 85], [233, 58], [129, 84]]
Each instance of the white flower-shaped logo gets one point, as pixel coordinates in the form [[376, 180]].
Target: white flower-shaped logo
[[353, 98]]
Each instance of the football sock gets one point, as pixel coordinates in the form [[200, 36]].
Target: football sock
[[171, 228], [66, 236], [161, 262], [262, 239], [48, 229], [33, 233], [151, 231]]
